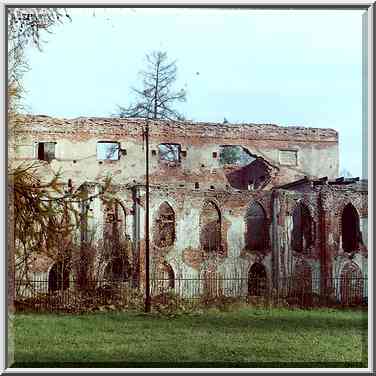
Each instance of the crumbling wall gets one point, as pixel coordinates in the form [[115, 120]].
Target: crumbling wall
[[192, 180], [293, 151]]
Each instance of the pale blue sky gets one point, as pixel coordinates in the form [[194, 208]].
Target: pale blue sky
[[287, 67]]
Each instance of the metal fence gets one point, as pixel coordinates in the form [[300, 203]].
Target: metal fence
[[213, 289]]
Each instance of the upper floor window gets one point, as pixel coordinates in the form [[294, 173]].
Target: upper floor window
[[107, 150], [46, 151], [169, 153]]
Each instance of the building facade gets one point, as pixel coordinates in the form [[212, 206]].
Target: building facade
[[250, 201]]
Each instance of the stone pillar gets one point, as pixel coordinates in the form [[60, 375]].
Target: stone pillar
[[275, 205], [325, 205]]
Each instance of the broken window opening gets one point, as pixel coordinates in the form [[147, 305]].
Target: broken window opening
[[169, 153], [301, 236], [46, 151], [257, 234], [210, 225], [234, 155], [108, 150], [257, 281], [243, 170], [352, 288], [58, 277], [165, 226], [351, 235]]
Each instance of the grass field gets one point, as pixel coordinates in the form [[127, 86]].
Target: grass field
[[240, 338]]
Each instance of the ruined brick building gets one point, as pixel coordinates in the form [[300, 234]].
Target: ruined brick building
[[248, 200]]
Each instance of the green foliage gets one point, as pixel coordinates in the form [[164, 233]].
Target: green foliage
[[45, 214], [229, 155]]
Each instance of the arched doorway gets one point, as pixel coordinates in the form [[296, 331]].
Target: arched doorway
[[257, 280], [256, 236], [302, 284], [163, 278], [351, 284], [58, 277], [350, 229]]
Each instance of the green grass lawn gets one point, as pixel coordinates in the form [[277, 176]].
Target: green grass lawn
[[240, 338]]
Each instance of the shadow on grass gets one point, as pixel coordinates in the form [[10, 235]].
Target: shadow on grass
[[189, 365], [296, 320], [156, 330]]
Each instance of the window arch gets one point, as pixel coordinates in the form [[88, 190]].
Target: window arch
[[165, 226], [58, 277], [301, 237], [350, 229], [210, 227], [256, 228], [257, 281], [351, 284]]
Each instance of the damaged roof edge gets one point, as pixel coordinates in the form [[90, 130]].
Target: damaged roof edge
[[325, 134]]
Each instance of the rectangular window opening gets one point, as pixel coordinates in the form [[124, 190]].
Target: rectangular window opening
[[46, 151], [169, 153], [107, 150]]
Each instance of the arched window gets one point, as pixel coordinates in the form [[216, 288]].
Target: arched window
[[257, 281], [58, 277], [210, 228], [301, 237], [256, 228], [350, 229], [351, 284], [164, 235]]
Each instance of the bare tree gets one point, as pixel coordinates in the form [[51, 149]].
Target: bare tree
[[157, 97]]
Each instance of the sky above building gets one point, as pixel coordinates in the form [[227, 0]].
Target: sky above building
[[286, 67]]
